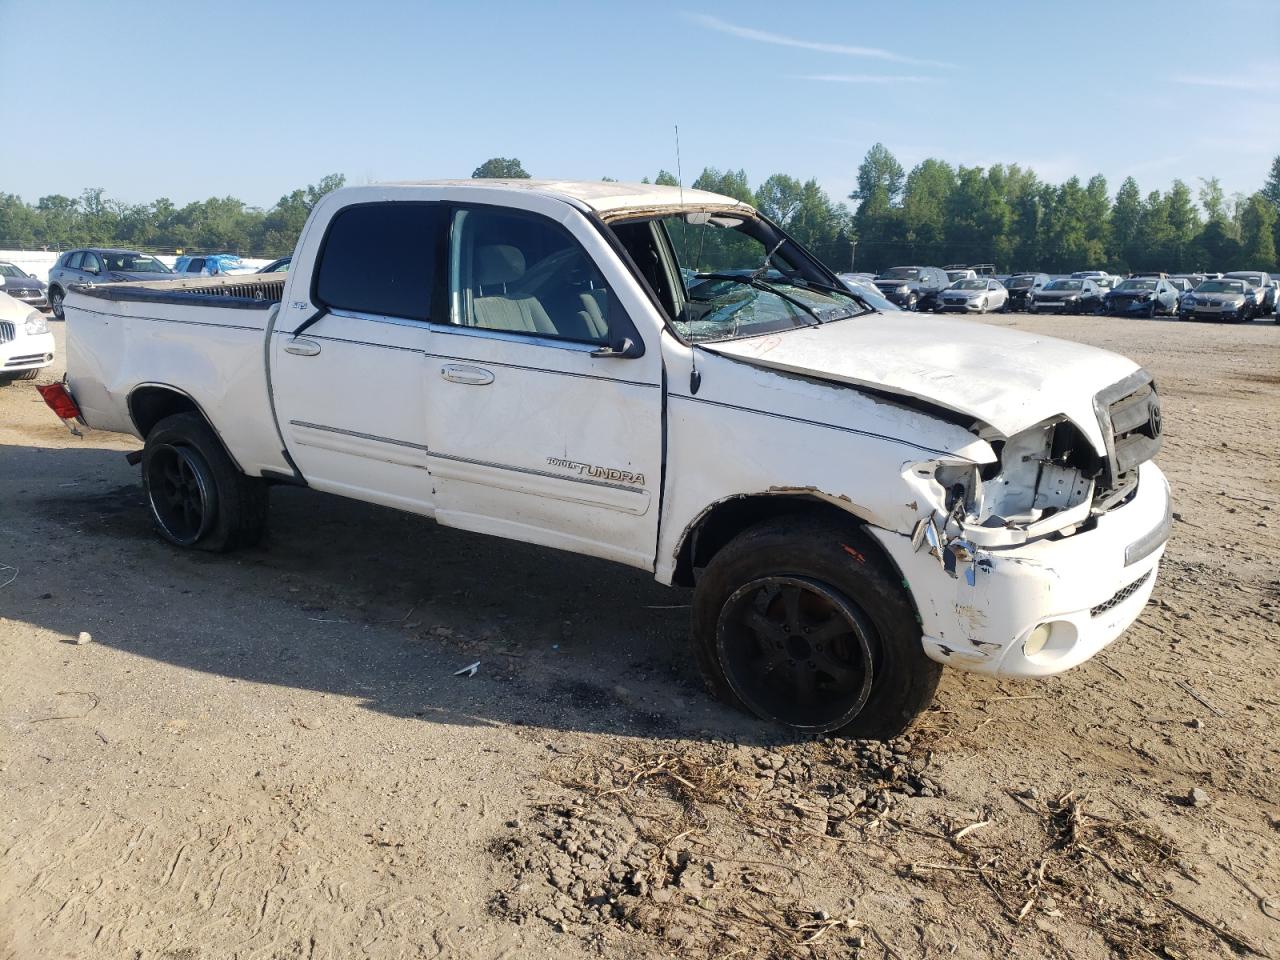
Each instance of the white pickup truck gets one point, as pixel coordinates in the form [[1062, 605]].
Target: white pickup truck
[[661, 378]]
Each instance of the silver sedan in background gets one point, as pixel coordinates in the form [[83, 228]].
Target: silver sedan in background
[[973, 295]]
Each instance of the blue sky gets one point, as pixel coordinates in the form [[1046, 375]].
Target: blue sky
[[254, 99]]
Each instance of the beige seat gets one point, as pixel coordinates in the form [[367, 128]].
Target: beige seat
[[592, 315], [496, 266]]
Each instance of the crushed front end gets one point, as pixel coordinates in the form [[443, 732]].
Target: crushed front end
[[1033, 563]]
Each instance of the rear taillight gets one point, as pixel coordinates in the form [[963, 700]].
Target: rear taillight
[[60, 401]]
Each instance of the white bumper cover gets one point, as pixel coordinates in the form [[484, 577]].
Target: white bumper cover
[[26, 352], [1083, 587]]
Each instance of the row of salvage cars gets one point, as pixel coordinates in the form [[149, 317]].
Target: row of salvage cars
[[1239, 296]]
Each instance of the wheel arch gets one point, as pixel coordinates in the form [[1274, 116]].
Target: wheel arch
[[723, 520], [149, 403]]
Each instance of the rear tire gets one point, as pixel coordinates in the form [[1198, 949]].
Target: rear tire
[[55, 302], [197, 496], [784, 618]]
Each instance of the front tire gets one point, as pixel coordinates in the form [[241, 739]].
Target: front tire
[[197, 496], [803, 624], [912, 303]]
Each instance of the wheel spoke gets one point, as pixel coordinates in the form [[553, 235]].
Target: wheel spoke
[[806, 682], [835, 669], [791, 604], [765, 629], [834, 626]]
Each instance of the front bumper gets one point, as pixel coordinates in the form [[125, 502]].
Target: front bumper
[[970, 306], [1122, 307], [1090, 587], [1214, 313], [26, 352], [36, 298], [1054, 306]]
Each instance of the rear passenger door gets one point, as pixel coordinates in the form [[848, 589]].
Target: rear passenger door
[[349, 389], [534, 432]]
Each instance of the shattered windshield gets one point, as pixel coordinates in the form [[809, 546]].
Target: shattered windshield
[[743, 278]]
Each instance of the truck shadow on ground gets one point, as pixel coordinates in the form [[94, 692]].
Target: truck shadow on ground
[[361, 601]]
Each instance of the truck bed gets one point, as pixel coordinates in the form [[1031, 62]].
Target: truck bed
[[204, 338]]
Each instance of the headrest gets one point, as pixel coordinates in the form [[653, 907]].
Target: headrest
[[499, 263]]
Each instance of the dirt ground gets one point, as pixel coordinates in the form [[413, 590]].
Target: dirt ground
[[267, 755]]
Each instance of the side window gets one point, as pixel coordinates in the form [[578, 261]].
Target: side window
[[74, 260], [519, 273], [381, 258], [91, 263], [195, 265]]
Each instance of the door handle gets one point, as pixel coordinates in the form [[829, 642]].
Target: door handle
[[301, 347], [461, 373]]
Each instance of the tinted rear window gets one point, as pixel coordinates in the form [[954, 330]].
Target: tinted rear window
[[381, 258]]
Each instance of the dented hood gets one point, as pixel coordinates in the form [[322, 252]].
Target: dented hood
[[1005, 378]]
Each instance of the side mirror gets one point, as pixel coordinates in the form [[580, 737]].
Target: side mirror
[[625, 349]]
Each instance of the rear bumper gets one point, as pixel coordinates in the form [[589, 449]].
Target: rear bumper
[[26, 353], [1088, 588]]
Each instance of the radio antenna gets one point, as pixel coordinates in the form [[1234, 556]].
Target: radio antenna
[[695, 378]]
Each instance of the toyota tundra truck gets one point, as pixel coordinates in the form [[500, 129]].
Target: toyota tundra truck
[[662, 378]]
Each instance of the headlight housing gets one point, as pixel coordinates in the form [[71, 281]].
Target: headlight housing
[[35, 324]]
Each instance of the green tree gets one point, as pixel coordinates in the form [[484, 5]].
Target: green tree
[[878, 221], [500, 168], [779, 198], [1126, 215], [924, 207], [665, 179], [1257, 233], [730, 183], [1271, 189]]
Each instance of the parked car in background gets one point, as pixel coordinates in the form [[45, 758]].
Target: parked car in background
[[1143, 297], [868, 292], [913, 288], [101, 265], [983, 269], [1266, 285], [973, 295], [1066, 295], [21, 285], [1104, 280], [1224, 300], [963, 274], [277, 266], [210, 265], [26, 345], [1020, 288]]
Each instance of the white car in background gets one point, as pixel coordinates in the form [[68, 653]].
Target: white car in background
[[973, 295], [26, 345]]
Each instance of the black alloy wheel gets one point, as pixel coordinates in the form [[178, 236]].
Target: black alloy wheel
[[182, 493], [796, 650]]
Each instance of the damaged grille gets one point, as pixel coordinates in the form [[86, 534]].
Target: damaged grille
[[1133, 426], [1121, 595]]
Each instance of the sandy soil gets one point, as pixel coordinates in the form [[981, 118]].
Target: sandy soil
[[267, 755]]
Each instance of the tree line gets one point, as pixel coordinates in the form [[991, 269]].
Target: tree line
[[933, 214]]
